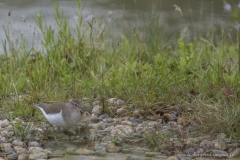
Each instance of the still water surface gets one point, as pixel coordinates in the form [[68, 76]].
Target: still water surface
[[198, 15]]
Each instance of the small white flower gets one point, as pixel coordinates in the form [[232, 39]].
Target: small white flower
[[110, 13]]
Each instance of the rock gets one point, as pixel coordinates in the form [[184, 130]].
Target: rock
[[192, 128], [13, 156], [146, 130], [112, 109], [152, 124], [70, 150], [103, 144], [57, 153], [169, 117], [108, 120], [172, 158], [6, 147], [232, 145], [206, 144], [96, 126], [10, 134], [121, 130], [48, 152], [189, 141], [199, 151], [83, 151], [165, 151], [94, 119], [120, 102], [100, 150], [219, 145], [127, 150], [221, 136], [4, 133], [4, 123], [172, 124], [189, 151], [23, 156], [97, 109], [35, 149], [17, 143], [126, 123], [121, 111], [33, 144], [181, 121], [139, 129], [140, 151], [38, 155], [20, 150], [152, 154], [103, 132], [108, 129], [151, 118], [112, 149], [112, 101], [235, 153], [133, 157], [96, 103]]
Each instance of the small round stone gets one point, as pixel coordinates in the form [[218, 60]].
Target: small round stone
[[17, 143], [34, 144], [13, 156], [23, 156], [112, 149]]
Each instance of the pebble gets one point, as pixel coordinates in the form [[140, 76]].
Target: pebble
[[18, 143], [126, 123], [120, 102], [97, 109], [235, 153], [122, 130], [20, 150], [134, 157], [70, 150], [152, 124], [206, 144], [121, 111], [112, 149], [219, 145], [112, 101], [151, 118], [38, 155], [23, 156], [172, 158], [152, 154], [83, 151], [96, 103], [33, 144], [127, 150], [189, 151], [4, 123], [13, 156]]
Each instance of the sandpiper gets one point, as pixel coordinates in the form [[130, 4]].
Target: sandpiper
[[63, 114]]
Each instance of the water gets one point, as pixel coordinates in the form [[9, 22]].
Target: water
[[198, 16]]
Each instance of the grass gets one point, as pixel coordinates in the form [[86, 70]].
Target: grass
[[140, 68]]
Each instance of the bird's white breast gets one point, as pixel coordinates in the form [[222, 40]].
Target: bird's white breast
[[55, 119]]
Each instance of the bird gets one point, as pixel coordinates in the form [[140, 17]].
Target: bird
[[63, 114]]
